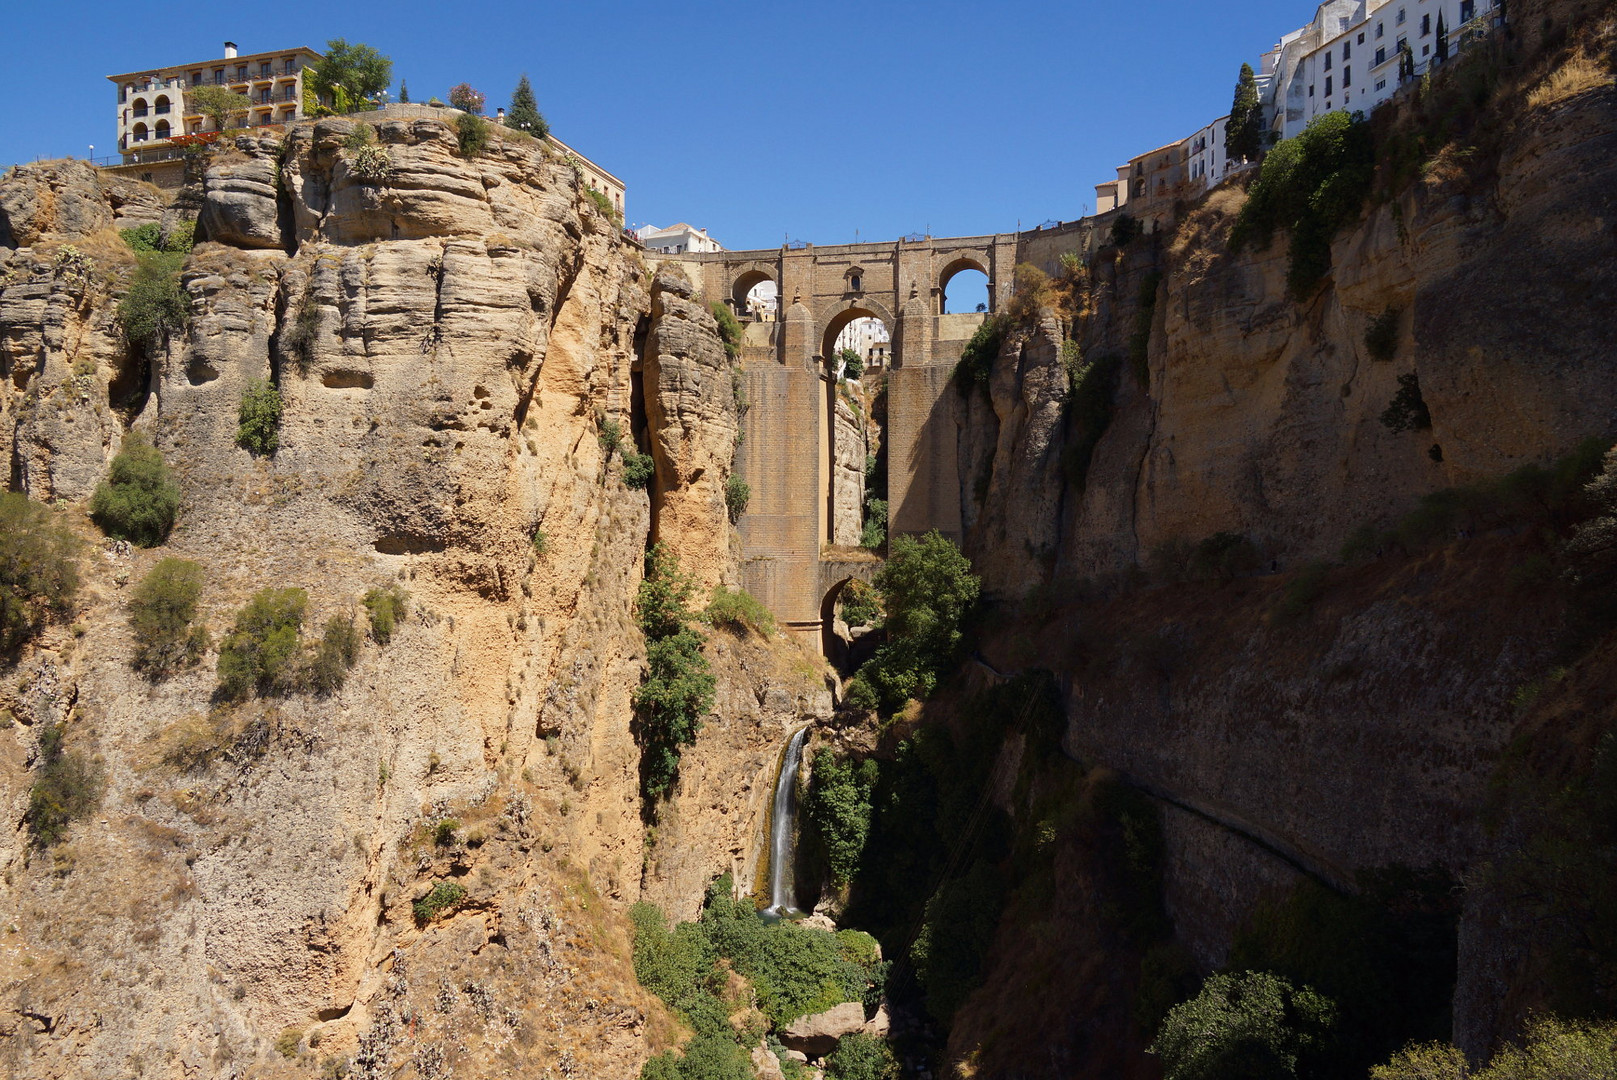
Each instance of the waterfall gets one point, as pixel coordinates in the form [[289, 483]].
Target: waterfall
[[782, 832]]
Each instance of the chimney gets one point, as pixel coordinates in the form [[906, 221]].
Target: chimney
[[230, 50], [499, 116]]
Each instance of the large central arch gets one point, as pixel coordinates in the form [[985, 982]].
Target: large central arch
[[838, 320]]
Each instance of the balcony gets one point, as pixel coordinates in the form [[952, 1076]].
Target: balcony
[[163, 108]]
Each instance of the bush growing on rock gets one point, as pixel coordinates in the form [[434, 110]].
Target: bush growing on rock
[[472, 135], [928, 590], [139, 498], [730, 331], [738, 611], [706, 1057], [445, 896], [836, 811], [387, 609], [156, 306], [1554, 1049], [678, 688], [258, 428], [161, 618], [67, 786], [861, 1057], [1249, 1026], [261, 652], [737, 494], [38, 568], [638, 469], [326, 667]]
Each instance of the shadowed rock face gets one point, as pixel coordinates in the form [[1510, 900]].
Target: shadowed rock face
[[445, 345]]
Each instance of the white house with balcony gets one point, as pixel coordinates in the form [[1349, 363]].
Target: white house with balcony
[[1347, 58], [676, 239], [153, 107]]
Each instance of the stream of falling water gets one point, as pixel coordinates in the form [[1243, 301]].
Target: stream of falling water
[[782, 831]]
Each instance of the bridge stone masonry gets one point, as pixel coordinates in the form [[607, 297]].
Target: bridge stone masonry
[[791, 456]]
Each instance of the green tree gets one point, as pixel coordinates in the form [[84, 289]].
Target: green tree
[[404, 92], [861, 1057], [837, 811], [261, 652], [259, 418], [350, 76], [853, 365], [139, 498], [471, 135], [38, 567], [1554, 1050], [927, 590], [156, 307], [1442, 38], [730, 331], [678, 688], [1243, 132], [67, 786], [161, 613], [524, 114], [1248, 1026], [223, 107]]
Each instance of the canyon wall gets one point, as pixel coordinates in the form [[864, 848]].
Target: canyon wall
[[449, 346]]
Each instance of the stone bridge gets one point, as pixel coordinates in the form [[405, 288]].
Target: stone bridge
[[803, 456]]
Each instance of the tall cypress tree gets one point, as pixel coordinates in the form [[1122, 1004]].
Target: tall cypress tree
[[1243, 134], [1442, 39], [524, 113], [404, 92]]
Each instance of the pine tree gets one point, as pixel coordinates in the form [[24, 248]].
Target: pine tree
[[1243, 134], [524, 114], [404, 92]]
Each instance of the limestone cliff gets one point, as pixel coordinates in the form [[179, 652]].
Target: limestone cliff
[[449, 343]]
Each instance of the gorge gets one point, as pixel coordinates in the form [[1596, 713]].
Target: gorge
[[463, 714]]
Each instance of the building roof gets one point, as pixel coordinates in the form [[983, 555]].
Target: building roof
[[216, 60]]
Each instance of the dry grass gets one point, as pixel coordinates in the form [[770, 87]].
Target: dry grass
[[1578, 75]]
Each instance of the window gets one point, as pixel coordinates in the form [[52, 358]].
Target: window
[[1380, 30], [218, 76], [1327, 88], [264, 69], [1425, 25], [1347, 48], [1400, 16], [1381, 84], [1468, 8], [1426, 50], [1347, 77], [1310, 91], [1361, 39], [241, 72], [264, 95], [1403, 43], [1327, 63], [854, 282], [196, 78], [291, 66], [1381, 56]]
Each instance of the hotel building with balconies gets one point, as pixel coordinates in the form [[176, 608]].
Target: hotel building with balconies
[[153, 106]]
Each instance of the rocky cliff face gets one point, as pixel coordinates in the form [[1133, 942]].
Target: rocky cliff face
[[447, 344]]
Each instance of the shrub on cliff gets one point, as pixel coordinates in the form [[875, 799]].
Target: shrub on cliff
[[862, 1057], [1311, 185], [678, 688], [325, 669], [258, 429], [737, 494], [471, 134], [738, 611], [977, 358], [638, 470], [387, 608], [156, 306], [38, 568], [836, 811], [139, 498], [928, 590], [706, 1057], [162, 611], [1250, 1026], [261, 652], [1407, 410], [67, 786], [730, 331]]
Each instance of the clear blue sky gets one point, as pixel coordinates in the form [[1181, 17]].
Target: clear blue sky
[[756, 121]]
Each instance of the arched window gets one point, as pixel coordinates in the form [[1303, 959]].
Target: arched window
[[161, 105], [140, 133], [140, 106], [162, 131]]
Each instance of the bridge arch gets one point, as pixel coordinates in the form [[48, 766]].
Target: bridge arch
[[834, 578], [838, 320], [747, 277], [957, 266]]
